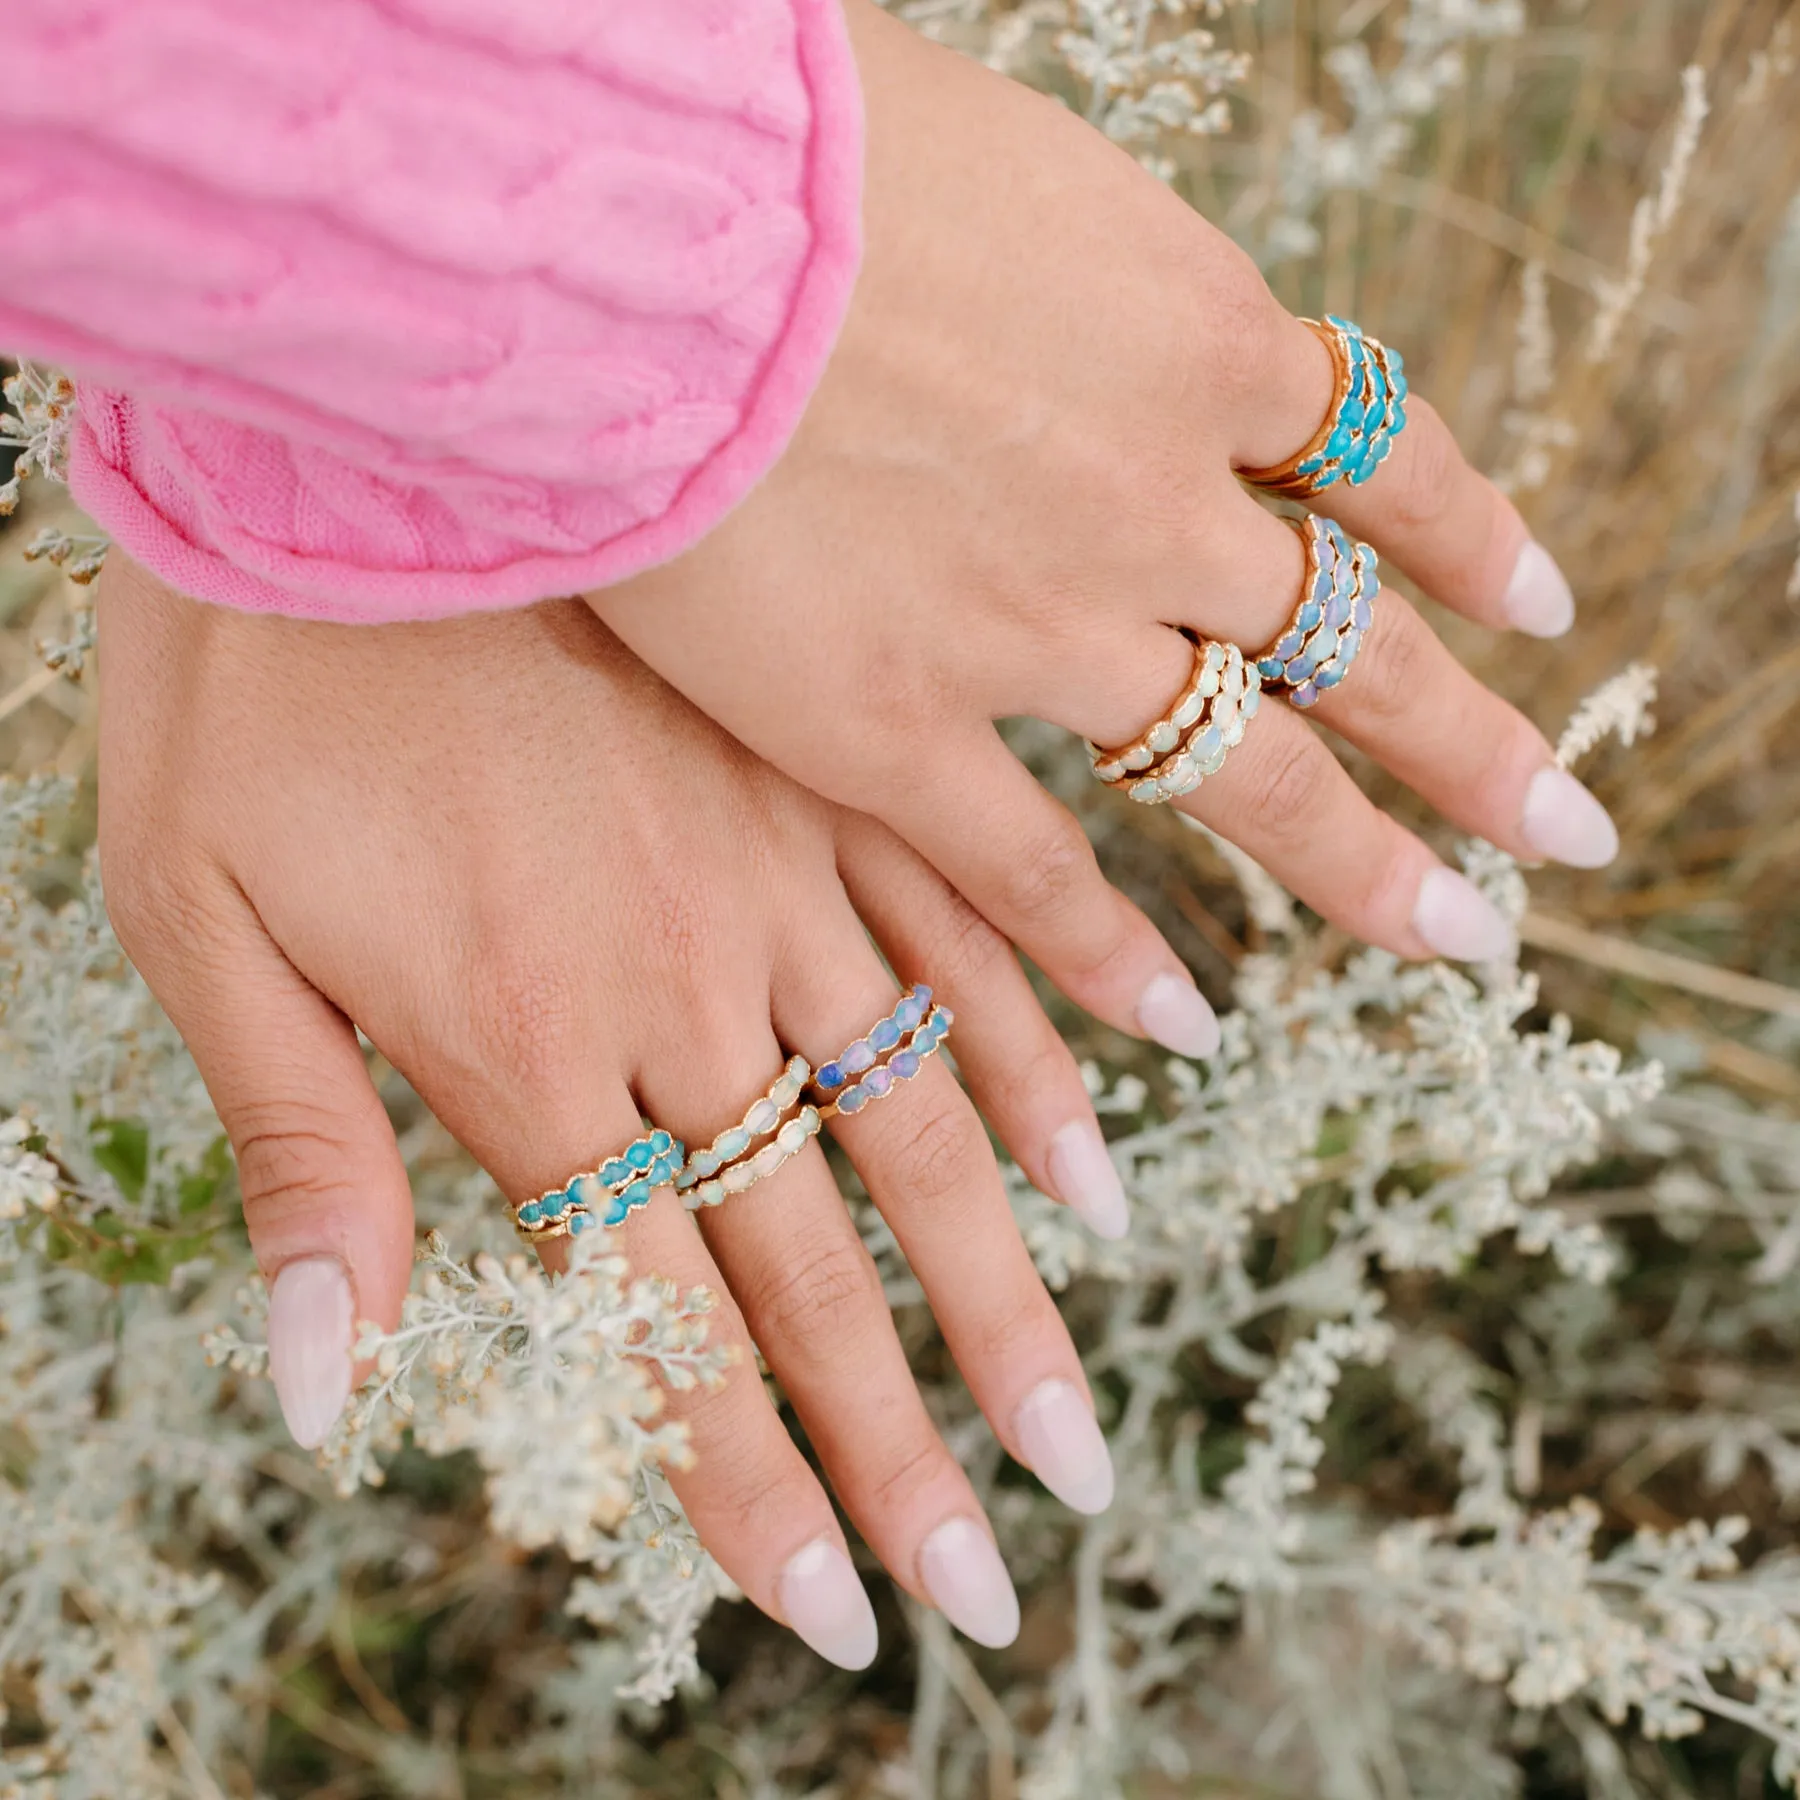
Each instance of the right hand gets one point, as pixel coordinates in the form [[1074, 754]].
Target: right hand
[[1012, 491], [552, 893]]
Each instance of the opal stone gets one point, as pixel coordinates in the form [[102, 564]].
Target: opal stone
[[792, 1135], [1271, 667], [639, 1155], [831, 1076], [1339, 443], [1138, 757], [1365, 613], [615, 1214], [885, 1035], [732, 1143], [659, 1142], [1352, 412], [877, 1082], [738, 1177], [555, 1205], [1162, 737], [1301, 667], [1252, 701], [858, 1057], [579, 1223], [762, 1117], [909, 1012], [1143, 790], [1178, 770], [1311, 466], [1309, 615], [767, 1160], [711, 1193], [530, 1213], [638, 1194], [906, 1065], [1188, 711], [615, 1171], [1213, 761], [1204, 743], [1214, 655], [1305, 694], [852, 1100], [1288, 645]]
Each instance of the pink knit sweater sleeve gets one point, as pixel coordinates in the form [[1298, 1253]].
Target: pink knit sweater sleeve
[[386, 309]]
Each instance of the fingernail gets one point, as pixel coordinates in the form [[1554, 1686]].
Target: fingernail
[[1173, 1012], [825, 1605], [310, 1320], [1085, 1179], [968, 1583], [1537, 599], [1455, 918], [1564, 822], [1063, 1446]]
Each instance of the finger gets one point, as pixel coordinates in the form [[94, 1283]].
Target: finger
[[1446, 525], [1020, 1073], [1410, 704], [928, 1166], [749, 1494], [813, 1303], [326, 1197], [1021, 859], [1457, 744], [1284, 798]]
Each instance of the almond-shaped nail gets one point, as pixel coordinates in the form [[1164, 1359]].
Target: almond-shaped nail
[[1457, 920], [311, 1316], [1537, 599], [1063, 1446], [1172, 1012], [968, 1583], [1564, 822], [1085, 1180], [826, 1606]]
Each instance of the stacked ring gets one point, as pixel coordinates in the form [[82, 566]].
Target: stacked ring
[[901, 1056], [1191, 740], [1368, 411], [729, 1165], [624, 1182], [1336, 608]]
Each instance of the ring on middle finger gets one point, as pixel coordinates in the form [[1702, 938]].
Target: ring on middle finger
[[1190, 741], [730, 1164], [891, 1052], [1333, 615]]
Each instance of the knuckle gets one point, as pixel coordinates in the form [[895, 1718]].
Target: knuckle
[[1050, 873], [1394, 666], [1008, 1323], [967, 952], [526, 1014], [1288, 784], [819, 1300], [291, 1155], [913, 1467], [942, 1159], [1427, 485]]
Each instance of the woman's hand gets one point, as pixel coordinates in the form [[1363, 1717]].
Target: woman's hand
[[1016, 481], [555, 895]]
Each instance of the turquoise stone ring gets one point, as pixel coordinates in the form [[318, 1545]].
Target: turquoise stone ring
[[608, 1195], [1368, 412]]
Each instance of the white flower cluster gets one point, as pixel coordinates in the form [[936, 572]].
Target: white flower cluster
[[38, 427]]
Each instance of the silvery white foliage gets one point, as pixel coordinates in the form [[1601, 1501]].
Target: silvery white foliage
[[38, 427], [1386, 106]]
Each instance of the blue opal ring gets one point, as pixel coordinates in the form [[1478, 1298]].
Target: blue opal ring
[[893, 1052], [766, 1115], [1336, 608], [1190, 742], [607, 1195], [1367, 412]]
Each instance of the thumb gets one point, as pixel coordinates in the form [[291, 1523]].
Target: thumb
[[325, 1192]]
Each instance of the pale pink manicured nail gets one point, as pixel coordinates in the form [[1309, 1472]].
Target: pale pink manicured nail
[[1063, 1446], [1086, 1181], [825, 1605], [1455, 918], [968, 1583], [310, 1320], [1537, 599], [1564, 822], [1173, 1012]]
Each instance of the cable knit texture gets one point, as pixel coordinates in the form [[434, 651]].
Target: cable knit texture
[[386, 309]]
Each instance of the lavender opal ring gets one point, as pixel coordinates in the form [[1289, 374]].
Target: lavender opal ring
[[1336, 608], [892, 1052]]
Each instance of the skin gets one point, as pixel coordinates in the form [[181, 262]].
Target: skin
[[551, 893], [1015, 483]]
